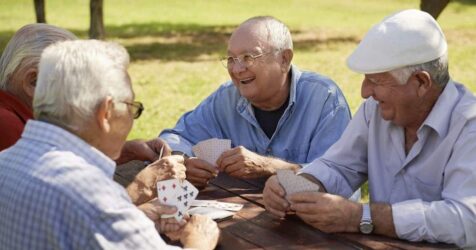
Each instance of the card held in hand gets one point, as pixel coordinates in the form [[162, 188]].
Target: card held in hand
[[211, 149], [293, 183], [176, 193]]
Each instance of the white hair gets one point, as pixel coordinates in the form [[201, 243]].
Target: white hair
[[438, 70], [75, 77], [25, 47], [279, 35]]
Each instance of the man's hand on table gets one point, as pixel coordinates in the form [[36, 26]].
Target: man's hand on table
[[243, 163], [200, 172], [143, 150], [143, 187], [273, 196], [200, 232], [327, 212]]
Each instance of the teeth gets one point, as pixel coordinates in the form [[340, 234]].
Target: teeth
[[245, 80]]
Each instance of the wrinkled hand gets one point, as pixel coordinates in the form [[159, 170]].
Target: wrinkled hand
[[200, 172], [274, 197], [153, 210], [143, 150], [243, 163], [200, 232], [326, 212], [143, 188]]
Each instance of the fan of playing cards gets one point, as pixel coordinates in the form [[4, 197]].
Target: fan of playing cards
[[178, 193], [211, 149], [293, 183]]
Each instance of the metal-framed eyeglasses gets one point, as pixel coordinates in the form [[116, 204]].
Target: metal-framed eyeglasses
[[136, 108], [245, 60]]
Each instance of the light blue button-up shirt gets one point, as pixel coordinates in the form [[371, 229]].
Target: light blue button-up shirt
[[57, 192], [314, 119], [432, 189]]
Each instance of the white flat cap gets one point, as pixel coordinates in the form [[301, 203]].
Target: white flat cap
[[405, 38]]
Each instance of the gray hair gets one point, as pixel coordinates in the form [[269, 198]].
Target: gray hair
[[279, 35], [438, 70], [75, 77], [25, 47]]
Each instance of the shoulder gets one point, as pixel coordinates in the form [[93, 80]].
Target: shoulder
[[314, 86], [227, 93]]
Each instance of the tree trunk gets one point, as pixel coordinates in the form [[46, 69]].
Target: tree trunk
[[433, 7], [40, 11], [96, 28]]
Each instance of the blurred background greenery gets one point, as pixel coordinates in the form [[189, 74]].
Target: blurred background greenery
[[175, 45]]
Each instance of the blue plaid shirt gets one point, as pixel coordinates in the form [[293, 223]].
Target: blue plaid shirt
[[57, 192]]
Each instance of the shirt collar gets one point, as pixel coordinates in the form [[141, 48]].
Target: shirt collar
[[64, 140], [295, 75], [440, 114], [17, 106]]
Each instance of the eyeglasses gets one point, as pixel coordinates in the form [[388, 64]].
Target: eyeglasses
[[246, 60], [136, 108]]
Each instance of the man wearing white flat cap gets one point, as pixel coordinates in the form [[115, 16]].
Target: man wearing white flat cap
[[413, 140]]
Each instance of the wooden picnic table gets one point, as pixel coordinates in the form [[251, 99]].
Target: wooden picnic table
[[255, 228]]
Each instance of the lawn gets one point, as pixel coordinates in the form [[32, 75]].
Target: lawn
[[175, 45]]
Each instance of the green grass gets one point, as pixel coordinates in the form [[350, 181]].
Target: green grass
[[174, 45]]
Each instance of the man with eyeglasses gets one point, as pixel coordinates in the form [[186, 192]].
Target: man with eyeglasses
[[276, 116], [57, 190], [18, 74]]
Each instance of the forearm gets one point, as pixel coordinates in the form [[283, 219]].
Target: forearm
[[382, 219], [274, 164]]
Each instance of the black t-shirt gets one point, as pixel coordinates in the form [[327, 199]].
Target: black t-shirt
[[268, 120]]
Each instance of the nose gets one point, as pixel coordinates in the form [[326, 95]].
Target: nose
[[367, 89], [237, 67]]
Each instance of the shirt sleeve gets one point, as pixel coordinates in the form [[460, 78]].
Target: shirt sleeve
[[195, 126], [453, 218], [11, 127], [343, 168]]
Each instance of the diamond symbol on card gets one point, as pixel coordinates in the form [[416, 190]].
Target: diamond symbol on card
[[164, 199], [173, 186], [163, 187]]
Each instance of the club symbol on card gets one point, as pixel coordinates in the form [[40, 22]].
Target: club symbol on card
[[191, 193], [180, 214], [185, 195], [185, 203], [179, 198], [185, 188]]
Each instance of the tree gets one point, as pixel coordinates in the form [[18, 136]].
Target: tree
[[40, 11], [433, 7], [96, 27]]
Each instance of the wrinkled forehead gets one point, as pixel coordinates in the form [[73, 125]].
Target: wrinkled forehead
[[248, 38]]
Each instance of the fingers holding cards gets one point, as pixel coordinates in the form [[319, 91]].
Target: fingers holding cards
[[176, 193]]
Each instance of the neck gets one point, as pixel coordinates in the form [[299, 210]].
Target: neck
[[21, 95], [277, 99]]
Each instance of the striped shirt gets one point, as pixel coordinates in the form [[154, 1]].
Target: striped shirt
[[57, 192]]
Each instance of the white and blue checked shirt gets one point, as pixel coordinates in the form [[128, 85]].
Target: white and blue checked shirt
[[57, 192]]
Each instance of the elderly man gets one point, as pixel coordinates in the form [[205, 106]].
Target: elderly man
[[413, 139], [275, 115], [57, 188], [18, 73]]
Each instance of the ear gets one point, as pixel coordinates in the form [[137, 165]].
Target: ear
[[104, 114], [29, 82], [287, 57], [424, 82]]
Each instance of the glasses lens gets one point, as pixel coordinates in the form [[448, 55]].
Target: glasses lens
[[137, 108]]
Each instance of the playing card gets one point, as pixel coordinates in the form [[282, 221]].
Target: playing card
[[293, 183], [213, 213], [176, 193], [211, 149], [217, 204]]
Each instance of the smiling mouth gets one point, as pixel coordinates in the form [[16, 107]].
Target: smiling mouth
[[247, 80]]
